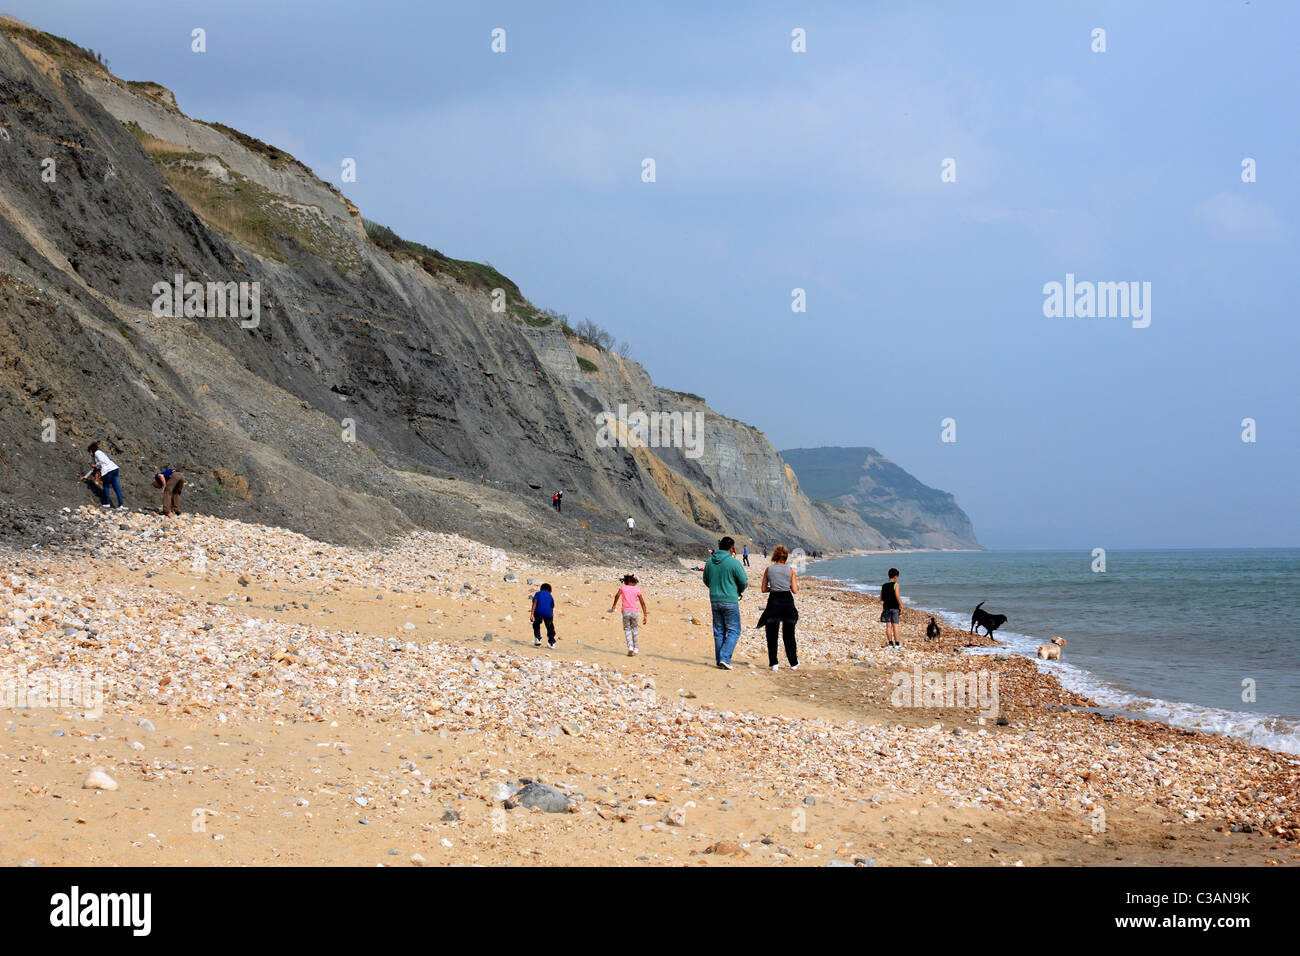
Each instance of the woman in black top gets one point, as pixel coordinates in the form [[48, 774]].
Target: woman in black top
[[780, 584]]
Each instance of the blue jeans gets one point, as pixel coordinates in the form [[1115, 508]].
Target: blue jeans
[[110, 481], [726, 630]]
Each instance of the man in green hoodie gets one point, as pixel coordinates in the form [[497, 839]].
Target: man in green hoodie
[[726, 580]]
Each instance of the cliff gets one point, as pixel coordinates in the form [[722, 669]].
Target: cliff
[[892, 503], [382, 384]]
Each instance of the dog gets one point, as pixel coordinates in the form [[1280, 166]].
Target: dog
[[982, 618], [1052, 651], [932, 631]]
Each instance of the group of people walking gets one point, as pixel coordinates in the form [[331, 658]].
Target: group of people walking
[[104, 482], [725, 577]]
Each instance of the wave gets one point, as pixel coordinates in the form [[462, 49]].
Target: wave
[[1281, 734]]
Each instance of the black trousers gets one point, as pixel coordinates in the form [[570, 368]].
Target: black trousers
[[787, 635], [550, 628]]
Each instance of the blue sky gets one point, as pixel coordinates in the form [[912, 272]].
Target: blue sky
[[821, 170]]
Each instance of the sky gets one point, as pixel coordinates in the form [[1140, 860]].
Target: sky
[[823, 170]]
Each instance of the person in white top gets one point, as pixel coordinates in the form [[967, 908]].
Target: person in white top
[[631, 525], [107, 474]]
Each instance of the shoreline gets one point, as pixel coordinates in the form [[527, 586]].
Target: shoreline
[[395, 691], [1185, 715]]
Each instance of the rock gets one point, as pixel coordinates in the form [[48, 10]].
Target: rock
[[146, 724], [98, 779], [243, 581], [1003, 722], [674, 817], [544, 797], [864, 861], [727, 848], [531, 581], [136, 745], [810, 801], [451, 816], [510, 579], [417, 859], [838, 863]]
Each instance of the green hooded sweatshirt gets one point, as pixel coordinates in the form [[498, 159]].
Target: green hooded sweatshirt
[[725, 577]]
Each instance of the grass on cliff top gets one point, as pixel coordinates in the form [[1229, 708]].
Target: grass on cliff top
[[245, 212], [475, 275], [241, 209], [63, 51], [276, 157], [587, 365]]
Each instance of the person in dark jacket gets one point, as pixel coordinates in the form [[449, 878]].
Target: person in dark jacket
[[780, 584]]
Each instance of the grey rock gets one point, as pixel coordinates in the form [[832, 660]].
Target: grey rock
[[144, 723], [810, 801], [542, 796], [451, 816]]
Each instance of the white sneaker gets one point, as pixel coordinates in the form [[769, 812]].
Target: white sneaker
[[776, 667], [725, 667], [793, 667]]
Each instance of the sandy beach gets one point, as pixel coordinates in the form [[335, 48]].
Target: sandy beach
[[267, 698]]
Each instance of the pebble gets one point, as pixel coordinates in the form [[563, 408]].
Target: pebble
[[98, 779]]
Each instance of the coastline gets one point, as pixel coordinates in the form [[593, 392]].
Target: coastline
[[399, 686], [1271, 731]]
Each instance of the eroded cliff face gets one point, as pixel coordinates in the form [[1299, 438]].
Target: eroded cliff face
[[378, 388]]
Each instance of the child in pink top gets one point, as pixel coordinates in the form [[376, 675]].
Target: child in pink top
[[630, 595]]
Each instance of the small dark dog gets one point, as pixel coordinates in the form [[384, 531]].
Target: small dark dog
[[932, 631], [982, 618]]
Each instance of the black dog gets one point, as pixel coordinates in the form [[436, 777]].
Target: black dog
[[982, 618], [932, 630]]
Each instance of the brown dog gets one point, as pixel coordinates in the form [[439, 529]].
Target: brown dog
[[1052, 651]]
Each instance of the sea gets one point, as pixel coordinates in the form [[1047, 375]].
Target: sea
[[1200, 639]]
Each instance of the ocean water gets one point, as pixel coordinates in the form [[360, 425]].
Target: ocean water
[[1186, 637]]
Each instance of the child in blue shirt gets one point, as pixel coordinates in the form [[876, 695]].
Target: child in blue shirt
[[543, 610]]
